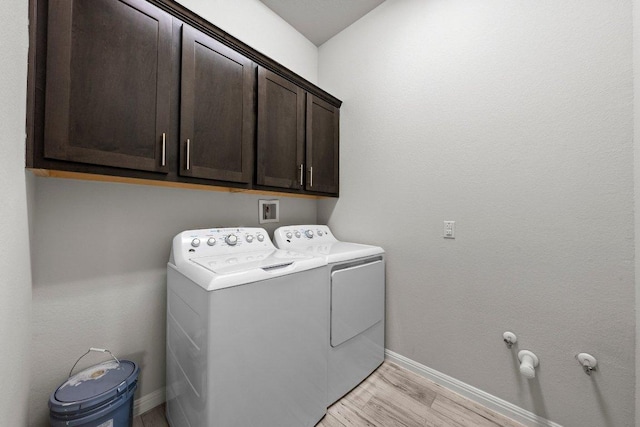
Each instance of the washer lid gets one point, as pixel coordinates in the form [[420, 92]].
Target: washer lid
[[242, 262], [248, 267], [94, 386]]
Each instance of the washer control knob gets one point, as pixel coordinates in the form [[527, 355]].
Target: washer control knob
[[320, 233], [309, 233], [195, 242], [249, 238], [211, 241], [289, 235], [260, 237], [231, 239], [297, 234]]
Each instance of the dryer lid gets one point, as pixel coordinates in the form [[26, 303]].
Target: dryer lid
[[339, 251]]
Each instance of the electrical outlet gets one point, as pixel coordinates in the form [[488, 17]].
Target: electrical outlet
[[449, 229]]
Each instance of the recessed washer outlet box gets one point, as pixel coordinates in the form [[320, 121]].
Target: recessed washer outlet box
[[269, 211]]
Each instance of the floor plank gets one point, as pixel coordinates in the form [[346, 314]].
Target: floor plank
[[404, 402], [497, 418], [395, 384], [360, 395], [386, 414], [460, 414], [435, 419], [349, 415], [329, 421], [394, 396]]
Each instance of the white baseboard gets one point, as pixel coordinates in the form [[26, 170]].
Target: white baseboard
[[149, 401], [492, 402]]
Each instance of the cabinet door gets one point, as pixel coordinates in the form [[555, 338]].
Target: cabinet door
[[108, 83], [323, 136], [280, 131], [216, 110]]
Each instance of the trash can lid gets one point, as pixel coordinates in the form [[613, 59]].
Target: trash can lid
[[96, 380]]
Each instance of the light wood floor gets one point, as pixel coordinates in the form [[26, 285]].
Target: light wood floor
[[391, 396]]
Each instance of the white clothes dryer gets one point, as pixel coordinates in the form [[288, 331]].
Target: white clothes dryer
[[355, 277], [246, 332]]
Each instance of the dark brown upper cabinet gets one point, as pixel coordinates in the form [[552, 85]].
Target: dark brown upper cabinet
[[281, 132], [294, 153], [147, 90], [217, 119], [108, 80], [322, 146]]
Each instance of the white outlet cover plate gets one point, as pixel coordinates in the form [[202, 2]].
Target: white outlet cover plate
[[449, 229]]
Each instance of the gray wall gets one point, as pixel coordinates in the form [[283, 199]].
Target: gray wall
[[636, 122], [100, 249], [15, 282], [515, 120]]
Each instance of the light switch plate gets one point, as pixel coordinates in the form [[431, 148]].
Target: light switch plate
[[269, 211], [449, 229]]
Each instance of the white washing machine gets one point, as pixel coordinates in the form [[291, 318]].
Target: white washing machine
[[246, 332], [355, 276]]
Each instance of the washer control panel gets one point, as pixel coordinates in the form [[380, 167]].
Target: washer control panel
[[303, 234], [220, 241]]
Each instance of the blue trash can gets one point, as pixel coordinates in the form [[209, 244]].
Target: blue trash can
[[99, 396]]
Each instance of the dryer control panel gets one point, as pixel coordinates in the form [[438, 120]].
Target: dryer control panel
[[297, 234]]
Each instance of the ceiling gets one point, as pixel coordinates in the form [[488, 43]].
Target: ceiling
[[319, 20]]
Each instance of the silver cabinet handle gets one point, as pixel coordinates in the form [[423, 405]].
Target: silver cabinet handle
[[164, 149], [301, 174], [188, 152], [311, 178]]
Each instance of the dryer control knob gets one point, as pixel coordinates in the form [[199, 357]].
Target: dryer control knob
[[289, 235], [211, 241], [297, 234], [249, 238], [231, 239], [320, 233], [260, 237], [309, 233], [195, 242]]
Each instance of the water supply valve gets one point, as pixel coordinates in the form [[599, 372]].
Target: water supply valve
[[528, 364], [509, 338], [588, 362]]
